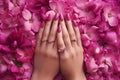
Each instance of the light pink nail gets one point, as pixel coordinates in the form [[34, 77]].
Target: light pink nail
[[59, 28], [43, 24], [61, 17], [56, 16], [75, 24], [68, 16], [49, 17]]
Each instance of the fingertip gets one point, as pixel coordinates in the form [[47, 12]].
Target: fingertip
[[49, 17], [42, 24], [75, 23], [56, 17], [61, 17], [59, 28], [68, 16]]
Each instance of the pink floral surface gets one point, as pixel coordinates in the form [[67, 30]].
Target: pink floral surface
[[99, 23]]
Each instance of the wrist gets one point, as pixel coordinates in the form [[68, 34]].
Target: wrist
[[39, 76], [77, 77]]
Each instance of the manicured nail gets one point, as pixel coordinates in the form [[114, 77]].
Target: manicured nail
[[61, 17], [56, 16], [75, 24], [43, 24], [59, 28], [68, 16], [49, 17]]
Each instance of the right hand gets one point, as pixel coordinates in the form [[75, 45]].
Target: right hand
[[71, 56]]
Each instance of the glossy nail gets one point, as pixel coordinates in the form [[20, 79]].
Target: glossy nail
[[68, 16], [59, 28], [43, 24], [56, 17], [75, 24], [61, 17], [49, 17]]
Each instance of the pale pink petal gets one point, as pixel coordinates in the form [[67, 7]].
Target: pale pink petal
[[10, 5], [36, 24], [16, 10], [91, 65], [3, 68], [111, 37], [28, 25], [26, 14], [113, 21]]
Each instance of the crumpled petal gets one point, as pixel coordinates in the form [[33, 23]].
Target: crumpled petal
[[26, 14]]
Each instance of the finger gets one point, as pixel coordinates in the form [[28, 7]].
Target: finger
[[39, 36], [53, 30], [60, 42], [77, 33], [46, 30], [65, 34], [70, 29], [55, 45]]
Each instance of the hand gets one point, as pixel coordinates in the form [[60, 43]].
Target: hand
[[46, 60], [70, 51]]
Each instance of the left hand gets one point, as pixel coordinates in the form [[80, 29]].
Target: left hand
[[46, 59]]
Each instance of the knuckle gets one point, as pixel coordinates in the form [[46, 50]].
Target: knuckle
[[54, 23], [66, 57], [61, 45], [54, 56], [66, 36], [67, 41], [51, 56], [72, 35], [47, 51], [73, 54], [48, 54], [45, 54], [45, 35]]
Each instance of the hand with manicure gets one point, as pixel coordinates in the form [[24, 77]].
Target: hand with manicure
[[46, 59], [58, 48], [70, 50]]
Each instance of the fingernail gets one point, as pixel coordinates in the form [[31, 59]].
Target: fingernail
[[43, 24], [59, 28], [68, 16], [56, 16], [75, 24], [49, 17], [61, 17]]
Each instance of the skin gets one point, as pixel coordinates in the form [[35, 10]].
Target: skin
[[71, 61], [48, 61]]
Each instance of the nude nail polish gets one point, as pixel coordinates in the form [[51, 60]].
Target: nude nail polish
[[56, 17], [68, 16], [59, 28], [61, 17]]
